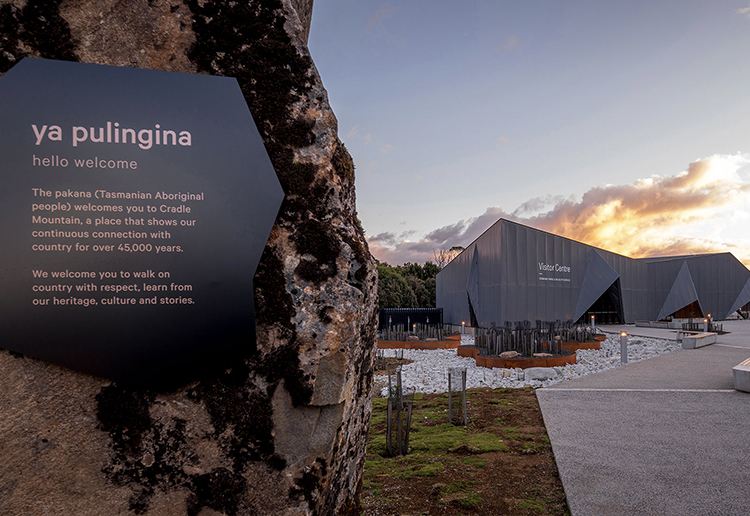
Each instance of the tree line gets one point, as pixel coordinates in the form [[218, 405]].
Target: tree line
[[412, 285], [407, 286]]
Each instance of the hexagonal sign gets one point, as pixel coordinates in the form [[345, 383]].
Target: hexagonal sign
[[135, 205]]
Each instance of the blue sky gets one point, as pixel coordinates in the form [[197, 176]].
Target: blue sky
[[572, 116]]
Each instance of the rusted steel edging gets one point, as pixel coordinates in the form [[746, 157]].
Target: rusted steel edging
[[511, 363], [452, 342]]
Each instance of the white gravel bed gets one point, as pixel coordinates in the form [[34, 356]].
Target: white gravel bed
[[428, 373]]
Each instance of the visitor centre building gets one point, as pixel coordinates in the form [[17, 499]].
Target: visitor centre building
[[516, 273]]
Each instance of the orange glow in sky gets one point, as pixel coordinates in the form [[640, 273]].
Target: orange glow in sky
[[694, 212]]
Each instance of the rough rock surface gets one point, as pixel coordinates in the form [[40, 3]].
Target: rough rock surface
[[281, 432], [539, 373]]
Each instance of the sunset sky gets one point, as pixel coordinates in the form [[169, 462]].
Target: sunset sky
[[622, 125]]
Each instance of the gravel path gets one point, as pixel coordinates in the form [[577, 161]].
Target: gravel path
[[428, 372]]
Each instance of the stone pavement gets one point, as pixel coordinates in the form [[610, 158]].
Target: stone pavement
[[664, 436]]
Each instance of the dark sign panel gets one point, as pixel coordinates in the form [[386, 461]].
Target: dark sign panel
[[135, 206]]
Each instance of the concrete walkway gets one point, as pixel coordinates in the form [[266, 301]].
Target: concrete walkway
[[665, 436]]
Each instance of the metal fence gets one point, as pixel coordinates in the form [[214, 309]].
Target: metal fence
[[399, 332], [409, 316]]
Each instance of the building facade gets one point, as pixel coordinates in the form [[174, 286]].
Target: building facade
[[515, 273]]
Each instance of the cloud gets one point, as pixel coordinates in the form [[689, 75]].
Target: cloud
[[539, 204], [745, 11], [503, 140], [401, 253], [386, 149], [511, 43], [386, 238], [460, 233], [378, 29], [376, 20], [657, 216], [366, 166], [353, 134]]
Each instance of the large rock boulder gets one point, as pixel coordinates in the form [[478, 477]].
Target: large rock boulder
[[282, 431], [540, 373]]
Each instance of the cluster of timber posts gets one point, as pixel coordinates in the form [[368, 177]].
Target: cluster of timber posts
[[527, 340], [401, 402], [409, 331], [463, 419], [381, 362], [398, 419]]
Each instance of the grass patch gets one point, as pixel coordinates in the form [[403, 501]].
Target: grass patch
[[465, 469], [475, 462], [468, 501], [486, 442], [367, 484], [379, 413], [427, 470], [534, 505], [512, 433], [376, 467], [532, 445]]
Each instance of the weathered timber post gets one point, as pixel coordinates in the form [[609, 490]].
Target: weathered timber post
[[282, 430]]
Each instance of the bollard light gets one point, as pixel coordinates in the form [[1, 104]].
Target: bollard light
[[463, 326], [415, 329], [624, 348], [705, 325], [593, 324]]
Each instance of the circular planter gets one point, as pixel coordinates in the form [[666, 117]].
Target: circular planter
[[449, 343], [510, 363], [574, 346]]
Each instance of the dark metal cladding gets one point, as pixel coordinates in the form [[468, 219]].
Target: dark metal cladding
[[514, 272], [600, 276], [681, 294], [743, 298]]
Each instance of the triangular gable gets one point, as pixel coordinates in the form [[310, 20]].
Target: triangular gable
[[472, 284], [681, 295], [742, 299], [599, 277]]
